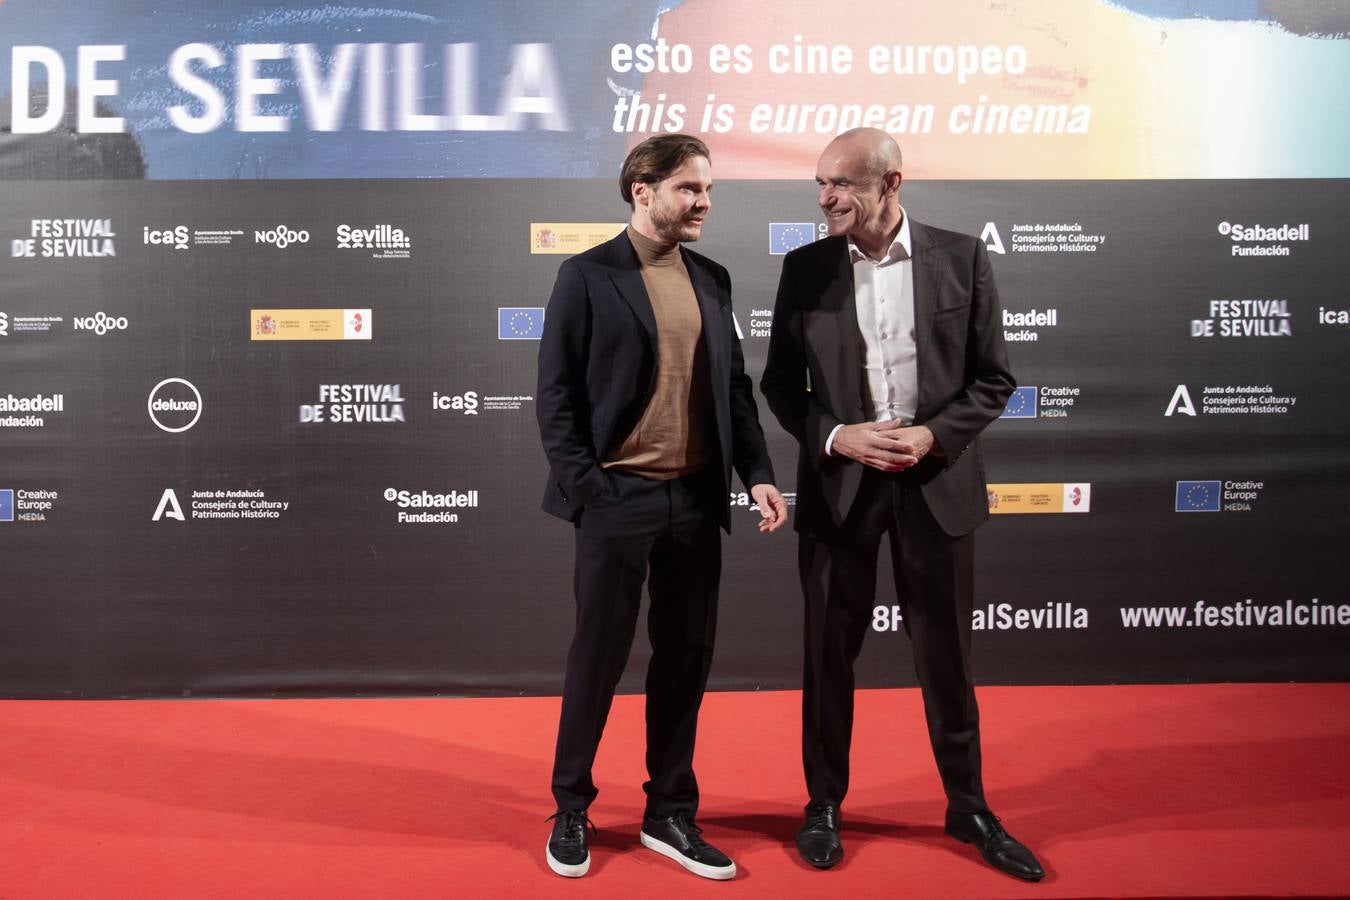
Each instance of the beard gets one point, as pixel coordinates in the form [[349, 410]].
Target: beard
[[674, 227]]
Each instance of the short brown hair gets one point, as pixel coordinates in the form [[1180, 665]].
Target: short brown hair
[[655, 158]]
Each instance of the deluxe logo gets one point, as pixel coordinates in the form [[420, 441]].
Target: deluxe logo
[[175, 405], [4, 324], [281, 237], [176, 237], [100, 323], [1276, 238], [66, 238]]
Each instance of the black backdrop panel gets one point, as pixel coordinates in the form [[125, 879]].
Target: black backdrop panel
[[403, 550]]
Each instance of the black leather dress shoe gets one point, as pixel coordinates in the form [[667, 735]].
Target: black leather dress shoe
[[818, 840], [1000, 849]]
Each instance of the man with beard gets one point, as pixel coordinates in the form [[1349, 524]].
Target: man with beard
[[886, 361], [644, 409]]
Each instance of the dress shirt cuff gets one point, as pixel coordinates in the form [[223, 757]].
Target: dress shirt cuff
[[829, 441]]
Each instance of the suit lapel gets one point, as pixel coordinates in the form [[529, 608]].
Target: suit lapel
[[925, 271], [838, 298], [627, 278], [715, 338]]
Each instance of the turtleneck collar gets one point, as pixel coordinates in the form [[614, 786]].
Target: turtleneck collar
[[650, 253]]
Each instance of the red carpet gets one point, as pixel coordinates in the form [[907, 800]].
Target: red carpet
[[1220, 790]]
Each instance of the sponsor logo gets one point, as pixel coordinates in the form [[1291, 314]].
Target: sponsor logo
[[784, 237], [181, 237], [1332, 316], [570, 237], [1054, 615], [281, 237], [471, 403], [1245, 318], [176, 237], [1021, 405], [24, 505], [520, 323], [743, 499], [430, 508], [231, 504], [100, 323], [993, 241], [761, 323], [1231, 400], [1044, 237], [1046, 402], [1021, 327], [175, 405], [66, 239], [1070, 497], [1217, 496], [29, 406], [386, 241], [168, 507], [1264, 240], [1197, 496], [310, 325], [28, 324], [377, 404]]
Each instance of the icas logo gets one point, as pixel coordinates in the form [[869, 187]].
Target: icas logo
[[175, 405]]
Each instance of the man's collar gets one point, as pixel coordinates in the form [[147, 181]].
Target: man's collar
[[901, 240]]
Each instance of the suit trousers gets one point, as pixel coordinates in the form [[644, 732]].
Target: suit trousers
[[665, 533], [934, 590]]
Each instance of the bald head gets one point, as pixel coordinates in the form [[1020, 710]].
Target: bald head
[[877, 150], [859, 178]]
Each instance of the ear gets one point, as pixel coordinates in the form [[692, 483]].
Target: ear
[[642, 194], [891, 181]]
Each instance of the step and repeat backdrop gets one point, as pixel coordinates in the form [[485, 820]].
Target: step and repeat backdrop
[[272, 277]]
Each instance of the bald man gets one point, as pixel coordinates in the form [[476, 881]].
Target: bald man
[[886, 361]]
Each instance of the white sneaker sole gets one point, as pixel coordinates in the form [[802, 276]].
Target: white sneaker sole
[[698, 868], [563, 869]]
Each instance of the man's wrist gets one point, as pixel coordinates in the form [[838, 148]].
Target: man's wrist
[[829, 441]]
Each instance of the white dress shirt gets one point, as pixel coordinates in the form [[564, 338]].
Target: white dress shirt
[[883, 292]]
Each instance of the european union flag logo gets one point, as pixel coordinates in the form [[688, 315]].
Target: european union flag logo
[[784, 237], [520, 323], [1021, 405], [7, 505], [1199, 496]]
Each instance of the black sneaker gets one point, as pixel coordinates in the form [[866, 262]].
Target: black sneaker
[[680, 839], [567, 853]]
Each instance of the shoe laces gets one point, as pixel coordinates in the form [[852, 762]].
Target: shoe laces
[[574, 824], [822, 814], [692, 833]]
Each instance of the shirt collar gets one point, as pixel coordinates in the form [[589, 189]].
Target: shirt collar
[[894, 254]]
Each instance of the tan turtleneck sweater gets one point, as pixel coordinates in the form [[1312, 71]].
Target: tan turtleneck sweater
[[672, 436]]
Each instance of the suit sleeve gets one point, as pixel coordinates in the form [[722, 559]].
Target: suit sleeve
[[785, 385], [563, 406], [988, 380], [749, 452]]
